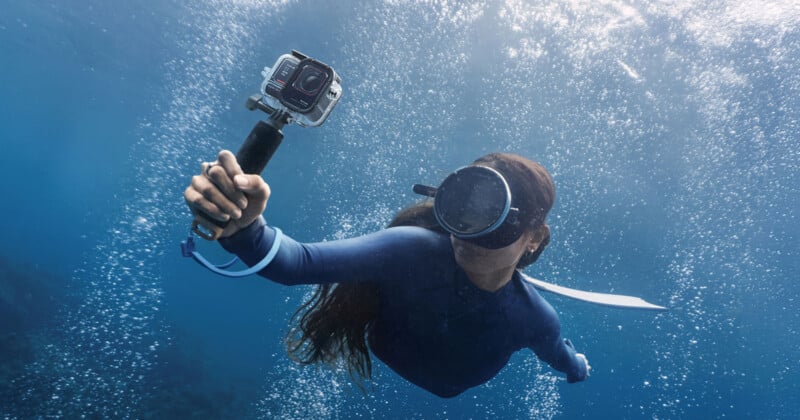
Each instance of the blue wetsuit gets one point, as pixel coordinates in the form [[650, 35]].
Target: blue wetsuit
[[435, 328]]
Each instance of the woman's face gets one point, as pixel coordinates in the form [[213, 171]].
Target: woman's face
[[475, 259]]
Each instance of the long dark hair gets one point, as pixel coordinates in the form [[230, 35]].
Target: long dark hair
[[332, 326]]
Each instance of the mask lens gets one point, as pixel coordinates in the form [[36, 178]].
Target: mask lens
[[472, 201]]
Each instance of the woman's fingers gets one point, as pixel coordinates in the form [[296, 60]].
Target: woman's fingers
[[219, 175], [231, 166], [254, 186], [206, 196], [222, 193]]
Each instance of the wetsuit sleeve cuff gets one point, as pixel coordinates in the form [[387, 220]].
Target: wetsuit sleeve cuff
[[249, 242]]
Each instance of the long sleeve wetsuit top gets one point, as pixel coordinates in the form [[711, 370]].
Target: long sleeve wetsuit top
[[434, 327]]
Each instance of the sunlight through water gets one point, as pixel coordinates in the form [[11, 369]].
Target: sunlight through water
[[670, 129]]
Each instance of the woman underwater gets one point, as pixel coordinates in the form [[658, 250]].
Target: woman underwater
[[437, 296]]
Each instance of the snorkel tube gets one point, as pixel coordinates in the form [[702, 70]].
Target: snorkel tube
[[454, 194], [604, 299]]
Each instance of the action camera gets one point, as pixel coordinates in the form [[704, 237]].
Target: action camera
[[303, 87], [297, 89]]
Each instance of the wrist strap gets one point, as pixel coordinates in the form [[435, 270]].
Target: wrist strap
[[188, 250]]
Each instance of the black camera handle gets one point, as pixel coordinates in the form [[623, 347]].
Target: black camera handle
[[259, 146], [253, 156]]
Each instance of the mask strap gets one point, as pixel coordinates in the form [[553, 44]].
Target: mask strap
[[425, 190]]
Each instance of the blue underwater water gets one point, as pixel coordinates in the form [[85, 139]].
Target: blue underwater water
[[671, 130]]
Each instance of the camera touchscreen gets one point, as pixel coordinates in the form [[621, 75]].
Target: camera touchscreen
[[279, 78]]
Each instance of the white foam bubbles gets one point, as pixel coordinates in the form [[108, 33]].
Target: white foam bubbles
[[109, 343]]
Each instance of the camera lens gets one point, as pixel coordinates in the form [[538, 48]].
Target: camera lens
[[307, 86], [310, 80]]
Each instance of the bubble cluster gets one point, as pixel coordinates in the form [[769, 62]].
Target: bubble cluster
[[97, 363], [295, 392], [691, 126], [669, 129], [404, 98]]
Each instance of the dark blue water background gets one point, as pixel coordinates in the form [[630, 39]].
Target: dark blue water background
[[671, 129]]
